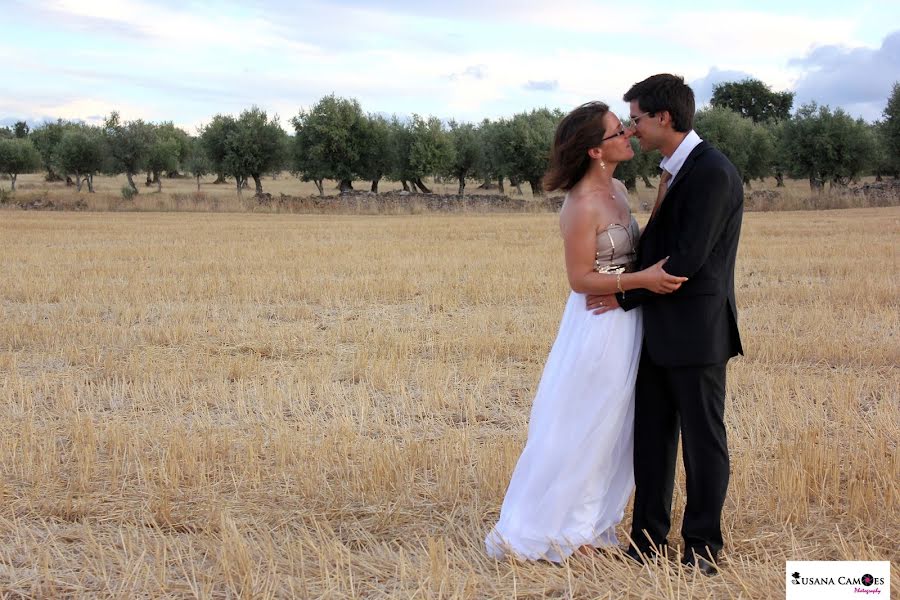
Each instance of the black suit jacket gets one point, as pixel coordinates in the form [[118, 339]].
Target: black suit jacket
[[697, 226]]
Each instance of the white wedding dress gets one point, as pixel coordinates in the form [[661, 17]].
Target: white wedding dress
[[574, 477]]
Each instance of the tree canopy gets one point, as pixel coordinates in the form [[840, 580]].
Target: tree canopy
[[822, 145], [753, 99], [18, 156]]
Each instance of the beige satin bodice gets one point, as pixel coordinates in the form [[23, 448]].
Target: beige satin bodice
[[617, 245]]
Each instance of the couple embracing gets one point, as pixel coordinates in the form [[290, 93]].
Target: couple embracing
[[642, 346]]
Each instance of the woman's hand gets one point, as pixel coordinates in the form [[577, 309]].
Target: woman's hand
[[658, 281]]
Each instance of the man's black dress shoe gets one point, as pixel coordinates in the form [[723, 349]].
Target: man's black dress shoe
[[705, 566], [633, 555], [644, 556]]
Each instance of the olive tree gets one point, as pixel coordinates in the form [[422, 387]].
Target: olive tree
[[80, 152], [329, 142], [430, 152], [823, 145], [214, 138], [890, 131], [198, 163], [378, 154], [18, 156], [254, 147], [127, 146], [749, 146], [753, 99], [162, 157], [526, 142], [46, 139], [468, 152]]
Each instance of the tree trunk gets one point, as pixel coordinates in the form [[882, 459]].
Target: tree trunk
[[779, 179], [418, 182], [815, 184], [90, 182], [462, 185], [631, 184], [374, 188], [747, 183], [500, 185], [149, 181], [345, 186], [78, 182], [647, 181], [220, 178], [320, 186], [405, 185], [12, 178], [130, 178], [878, 177], [536, 189], [513, 181], [258, 182], [198, 184], [839, 182], [239, 183]]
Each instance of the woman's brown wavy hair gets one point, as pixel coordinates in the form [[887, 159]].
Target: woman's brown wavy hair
[[579, 131]]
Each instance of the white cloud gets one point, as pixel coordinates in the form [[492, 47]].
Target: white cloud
[[87, 109], [859, 79], [180, 28], [742, 36], [468, 60]]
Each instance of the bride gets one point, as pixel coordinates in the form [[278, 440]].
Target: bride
[[574, 477]]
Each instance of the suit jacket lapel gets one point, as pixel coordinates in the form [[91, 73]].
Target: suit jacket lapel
[[686, 167], [682, 173]]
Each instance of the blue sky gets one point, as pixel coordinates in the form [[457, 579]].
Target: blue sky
[[186, 61]]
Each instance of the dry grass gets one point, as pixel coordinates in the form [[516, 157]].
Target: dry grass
[[261, 406]]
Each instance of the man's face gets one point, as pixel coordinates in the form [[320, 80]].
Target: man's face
[[644, 127]]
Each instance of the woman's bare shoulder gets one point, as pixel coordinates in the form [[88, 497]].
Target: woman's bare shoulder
[[621, 188], [579, 204], [579, 210]]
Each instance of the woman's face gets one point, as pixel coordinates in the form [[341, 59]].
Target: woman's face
[[616, 148]]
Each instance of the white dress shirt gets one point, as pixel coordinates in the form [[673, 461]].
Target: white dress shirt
[[673, 163]]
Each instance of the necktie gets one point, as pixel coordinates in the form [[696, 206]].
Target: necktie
[[661, 192]]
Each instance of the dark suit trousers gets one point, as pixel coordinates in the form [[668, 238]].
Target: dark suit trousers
[[691, 399]]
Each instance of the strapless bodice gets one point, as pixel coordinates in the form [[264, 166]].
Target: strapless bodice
[[617, 246]]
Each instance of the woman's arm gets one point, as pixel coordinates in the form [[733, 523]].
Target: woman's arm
[[579, 229]]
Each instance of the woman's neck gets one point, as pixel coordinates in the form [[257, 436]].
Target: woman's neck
[[598, 178]]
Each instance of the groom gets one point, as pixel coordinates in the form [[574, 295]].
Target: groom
[[688, 335]]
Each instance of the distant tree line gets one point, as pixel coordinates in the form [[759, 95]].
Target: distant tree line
[[336, 140]]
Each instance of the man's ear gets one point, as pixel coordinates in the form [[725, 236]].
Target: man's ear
[[665, 118]]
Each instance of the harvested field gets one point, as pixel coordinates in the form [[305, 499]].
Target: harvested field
[[258, 405]]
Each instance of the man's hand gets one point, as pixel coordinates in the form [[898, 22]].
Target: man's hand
[[601, 304]]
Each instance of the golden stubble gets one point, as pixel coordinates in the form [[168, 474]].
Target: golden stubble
[[245, 405]]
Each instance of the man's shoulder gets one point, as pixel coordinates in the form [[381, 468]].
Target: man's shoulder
[[711, 158]]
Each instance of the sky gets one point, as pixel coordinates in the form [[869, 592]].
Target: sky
[[186, 61]]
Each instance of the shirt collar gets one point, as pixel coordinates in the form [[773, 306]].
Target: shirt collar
[[673, 163]]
